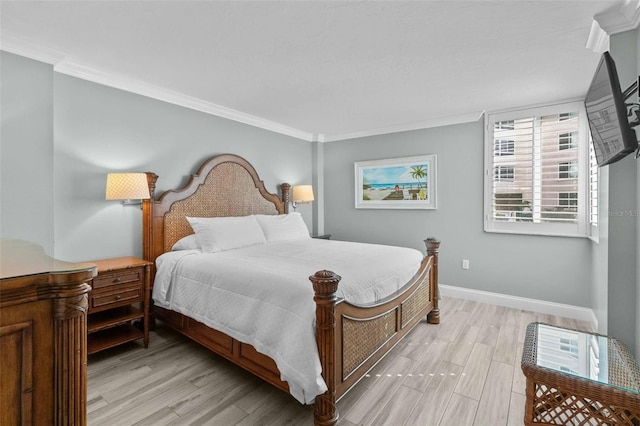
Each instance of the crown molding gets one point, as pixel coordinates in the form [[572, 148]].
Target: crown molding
[[624, 18], [149, 90], [11, 43], [598, 40], [63, 64], [437, 122]]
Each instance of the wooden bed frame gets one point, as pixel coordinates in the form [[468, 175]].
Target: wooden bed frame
[[351, 339]]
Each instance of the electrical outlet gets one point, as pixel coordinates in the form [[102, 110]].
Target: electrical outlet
[[465, 263]]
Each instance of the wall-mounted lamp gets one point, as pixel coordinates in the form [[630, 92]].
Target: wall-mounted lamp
[[301, 194], [131, 188]]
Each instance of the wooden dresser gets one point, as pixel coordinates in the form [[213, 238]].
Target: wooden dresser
[[43, 340]]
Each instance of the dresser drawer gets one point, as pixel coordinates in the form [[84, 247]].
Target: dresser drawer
[[124, 294], [133, 275]]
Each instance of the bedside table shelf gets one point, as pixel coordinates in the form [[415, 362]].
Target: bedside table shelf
[[114, 336], [120, 295], [112, 318]]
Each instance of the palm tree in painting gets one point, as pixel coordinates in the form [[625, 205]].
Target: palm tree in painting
[[418, 172]]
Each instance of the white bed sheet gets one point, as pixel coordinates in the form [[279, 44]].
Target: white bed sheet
[[261, 295]]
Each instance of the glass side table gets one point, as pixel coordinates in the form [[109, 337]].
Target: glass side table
[[578, 378]]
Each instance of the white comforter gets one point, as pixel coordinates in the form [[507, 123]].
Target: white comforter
[[262, 295]]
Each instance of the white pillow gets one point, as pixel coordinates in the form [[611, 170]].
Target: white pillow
[[284, 227], [190, 242], [216, 234]]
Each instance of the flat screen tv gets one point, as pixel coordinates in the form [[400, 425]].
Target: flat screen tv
[[613, 137]]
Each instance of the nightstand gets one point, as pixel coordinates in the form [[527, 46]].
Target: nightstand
[[119, 296], [322, 236]]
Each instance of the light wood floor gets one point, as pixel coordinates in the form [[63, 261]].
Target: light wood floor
[[465, 371]]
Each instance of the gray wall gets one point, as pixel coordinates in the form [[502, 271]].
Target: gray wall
[[638, 215], [92, 130], [100, 129], [615, 275], [26, 150], [600, 255], [623, 221], [554, 269], [318, 187]]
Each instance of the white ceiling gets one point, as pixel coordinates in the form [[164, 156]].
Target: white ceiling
[[322, 70]]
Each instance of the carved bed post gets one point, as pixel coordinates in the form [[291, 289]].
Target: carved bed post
[[284, 187], [148, 242], [433, 247], [147, 219], [325, 285]]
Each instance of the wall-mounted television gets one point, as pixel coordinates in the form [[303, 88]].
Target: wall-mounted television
[[613, 138]]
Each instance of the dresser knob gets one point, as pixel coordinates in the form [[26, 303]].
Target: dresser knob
[[118, 297], [117, 280]]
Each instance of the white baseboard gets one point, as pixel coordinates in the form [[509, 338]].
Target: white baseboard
[[516, 302]]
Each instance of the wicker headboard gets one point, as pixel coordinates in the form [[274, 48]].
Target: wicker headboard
[[225, 185]]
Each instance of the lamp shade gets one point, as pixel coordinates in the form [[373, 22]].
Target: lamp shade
[[127, 186], [302, 194]]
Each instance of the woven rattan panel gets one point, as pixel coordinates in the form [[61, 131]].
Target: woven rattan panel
[[418, 300], [530, 342], [623, 369], [228, 190], [360, 339], [552, 406]]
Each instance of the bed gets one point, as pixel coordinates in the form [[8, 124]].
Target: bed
[[351, 338]]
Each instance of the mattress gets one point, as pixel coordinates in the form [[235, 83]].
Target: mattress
[[261, 295]]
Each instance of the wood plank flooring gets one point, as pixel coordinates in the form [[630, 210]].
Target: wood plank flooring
[[465, 371]]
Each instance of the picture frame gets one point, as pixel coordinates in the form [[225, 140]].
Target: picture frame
[[397, 183]]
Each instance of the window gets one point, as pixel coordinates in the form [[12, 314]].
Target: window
[[504, 147], [503, 173], [567, 199], [504, 125], [511, 207], [539, 161], [566, 116], [567, 140], [568, 170]]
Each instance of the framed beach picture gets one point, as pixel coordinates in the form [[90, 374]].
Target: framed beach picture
[[397, 183]]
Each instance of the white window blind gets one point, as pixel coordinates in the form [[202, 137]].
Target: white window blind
[[504, 147], [540, 187], [593, 191]]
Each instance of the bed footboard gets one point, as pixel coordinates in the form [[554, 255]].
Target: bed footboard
[[352, 339]]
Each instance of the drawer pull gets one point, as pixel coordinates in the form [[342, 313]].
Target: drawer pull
[[116, 280], [118, 297]]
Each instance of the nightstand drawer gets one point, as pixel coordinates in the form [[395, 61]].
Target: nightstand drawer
[[125, 294], [111, 279]]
